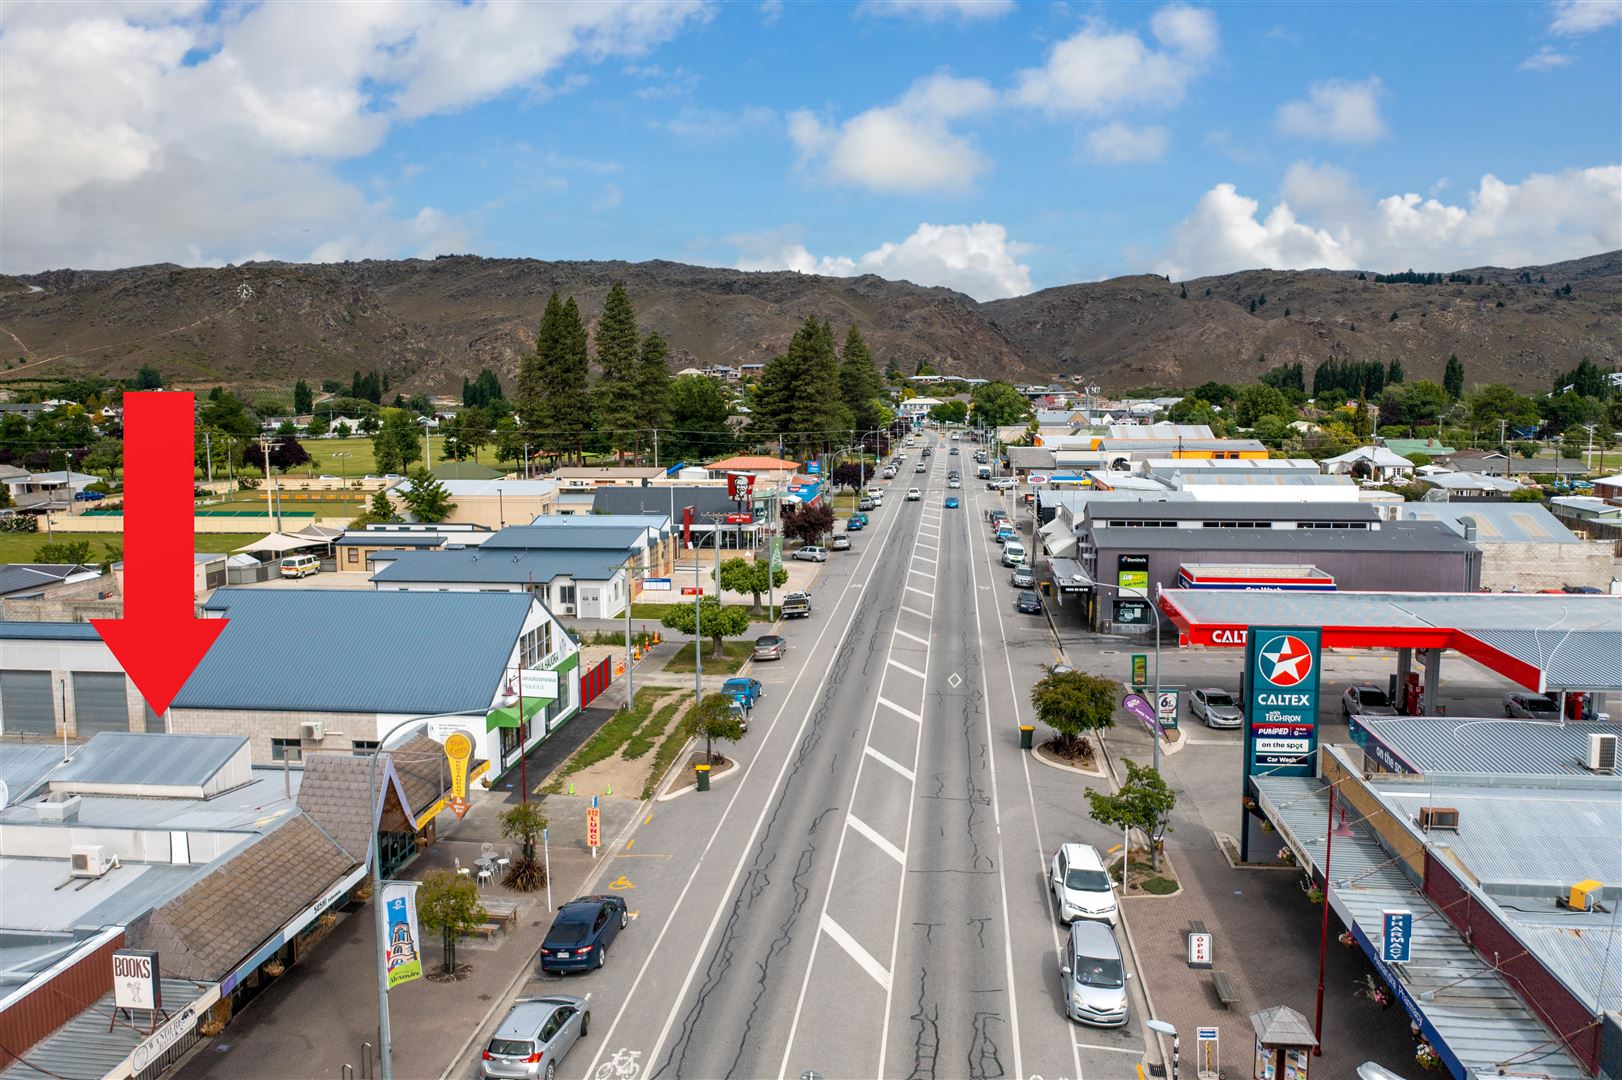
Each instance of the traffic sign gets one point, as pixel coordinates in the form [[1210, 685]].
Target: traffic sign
[[691, 590]]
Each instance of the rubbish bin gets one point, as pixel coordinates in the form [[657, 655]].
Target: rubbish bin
[[703, 777], [1025, 731]]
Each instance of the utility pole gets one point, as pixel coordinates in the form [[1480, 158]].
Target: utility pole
[[208, 454], [655, 448], [275, 503]]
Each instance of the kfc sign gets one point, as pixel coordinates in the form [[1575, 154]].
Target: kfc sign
[[740, 486]]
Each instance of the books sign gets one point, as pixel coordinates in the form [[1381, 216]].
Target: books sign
[[135, 980]]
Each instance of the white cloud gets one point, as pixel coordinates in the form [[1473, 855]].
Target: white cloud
[[977, 259], [905, 147], [610, 198], [1117, 142], [1322, 220], [937, 9], [712, 125], [1545, 59], [195, 138], [770, 11], [1098, 69], [1584, 16], [1338, 110]]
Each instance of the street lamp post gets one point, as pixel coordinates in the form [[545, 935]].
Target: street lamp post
[[1154, 608], [1164, 1028]]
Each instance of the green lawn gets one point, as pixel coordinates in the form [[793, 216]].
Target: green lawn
[[359, 459], [652, 613], [616, 731], [260, 500], [20, 547], [737, 654]]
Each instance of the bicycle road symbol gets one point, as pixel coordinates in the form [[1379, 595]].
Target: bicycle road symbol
[[621, 1066]]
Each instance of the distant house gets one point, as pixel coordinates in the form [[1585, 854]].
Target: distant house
[[495, 503], [917, 408], [1458, 486], [1377, 462], [1609, 488], [36, 579], [1485, 462]]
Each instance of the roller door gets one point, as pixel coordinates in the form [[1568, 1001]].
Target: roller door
[[99, 703], [25, 703]]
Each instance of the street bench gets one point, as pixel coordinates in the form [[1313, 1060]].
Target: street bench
[[500, 911], [487, 930], [1225, 991]]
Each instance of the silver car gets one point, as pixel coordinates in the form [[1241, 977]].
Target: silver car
[[1531, 706], [1216, 707], [1094, 976], [1366, 701], [1022, 577], [536, 1035]]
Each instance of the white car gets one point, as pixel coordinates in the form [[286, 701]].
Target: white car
[[1001, 483], [913, 494], [812, 553], [1081, 888], [954, 482], [1216, 707]]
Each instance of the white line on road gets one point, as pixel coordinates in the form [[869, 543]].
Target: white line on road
[[1138, 1050], [857, 953], [908, 713], [921, 592], [925, 558], [908, 669], [880, 842], [891, 762], [920, 573], [915, 611], [913, 637]]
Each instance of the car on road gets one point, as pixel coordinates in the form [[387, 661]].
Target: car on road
[[1001, 483], [867, 504], [747, 691], [581, 933], [770, 647], [1013, 553], [1530, 706], [796, 605], [839, 543], [1366, 701], [951, 502], [1022, 577], [855, 524], [1003, 532], [1081, 888], [1215, 707], [1094, 976], [920, 467], [953, 452], [1028, 603], [812, 553], [954, 482], [913, 494], [889, 472], [536, 1035]]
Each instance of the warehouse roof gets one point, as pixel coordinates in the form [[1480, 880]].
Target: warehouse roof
[[1440, 744], [124, 758], [1191, 510], [502, 566], [349, 650], [568, 531], [1030, 457], [666, 501], [1396, 536], [1254, 446], [1495, 523], [47, 631]]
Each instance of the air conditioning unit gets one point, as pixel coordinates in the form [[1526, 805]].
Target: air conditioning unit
[[92, 861], [1432, 818], [1601, 752], [568, 609], [312, 730]]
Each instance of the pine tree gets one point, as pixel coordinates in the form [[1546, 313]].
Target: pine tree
[[554, 400], [1393, 374], [859, 384], [617, 373], [1453, 378], [798, 396], [303, 400], [653, 383]]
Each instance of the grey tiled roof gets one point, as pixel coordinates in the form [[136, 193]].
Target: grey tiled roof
[[209, 928], [333, 792]]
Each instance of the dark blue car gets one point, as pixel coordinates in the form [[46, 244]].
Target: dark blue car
[[744, 691], [581, 932]]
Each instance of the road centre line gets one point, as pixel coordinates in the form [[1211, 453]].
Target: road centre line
[[908, 669], [748, 848], [908, 713], [857, 953], [914, 637], [878, 841], [891, 762]]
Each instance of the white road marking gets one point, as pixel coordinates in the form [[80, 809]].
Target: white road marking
[[915, 611], [913, 637], [891, 762], [880, 842], [920, 573], [922, 592], [908, 713], [925, 558], [908, 669], [857, 953], [1138, 1050]]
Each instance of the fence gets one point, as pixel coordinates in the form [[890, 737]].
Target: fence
[[596, 680]]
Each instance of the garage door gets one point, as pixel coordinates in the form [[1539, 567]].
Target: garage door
[[99, 703], [25, 703]]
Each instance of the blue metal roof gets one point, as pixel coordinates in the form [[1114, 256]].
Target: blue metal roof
[[506, 566], [342, 650], [572, 530], [48, 631]]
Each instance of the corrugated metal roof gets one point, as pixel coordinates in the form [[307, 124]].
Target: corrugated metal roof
[[1396, 537], [85, 1047], [1472, 1008], [505, 566], [24, 766], [1472, 612], [131, 757], [1244, 445], [343, 650], [1240, 510], [48, 631], [1581, 659], [570, 531], [1437, 744], [1511, 523]]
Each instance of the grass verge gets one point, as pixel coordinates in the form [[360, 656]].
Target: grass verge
[[736, 654], [609, 738], [675, 738], [1145, 878], [648, 734], [20, 547]]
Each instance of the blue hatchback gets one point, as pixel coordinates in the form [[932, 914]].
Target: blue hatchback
[[579, 938], [855, 524], [951, 502], [744, 691]]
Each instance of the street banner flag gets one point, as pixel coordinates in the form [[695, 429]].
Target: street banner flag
[[403, 961]]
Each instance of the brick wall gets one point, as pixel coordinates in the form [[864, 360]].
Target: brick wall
[[1532, 567]]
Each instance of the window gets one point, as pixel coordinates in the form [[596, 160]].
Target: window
[[363, 746], [287, 749], [566, 594], [535, 645], [353, 556]]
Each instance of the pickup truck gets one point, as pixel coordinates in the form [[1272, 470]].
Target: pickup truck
[[797, 605]]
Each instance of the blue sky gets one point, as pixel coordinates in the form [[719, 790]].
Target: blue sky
[[991, 147]]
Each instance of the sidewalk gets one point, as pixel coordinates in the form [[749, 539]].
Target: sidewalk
[[314, 1019]]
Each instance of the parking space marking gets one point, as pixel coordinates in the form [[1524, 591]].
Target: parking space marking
[[912, 637], [857, 953], [915, 611], [878, 841], [925, 558], [909, 670], [922, 574], [921, 592], [1113, 1049], [908, 713], [891, 762]]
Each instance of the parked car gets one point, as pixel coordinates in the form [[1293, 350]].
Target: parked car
[[87, 496], [1022, 577], [913, 494], [1366, 701], [859, 516], [812, 553], [1013, 553], [770, 647], [581, 933], [297, 566], [854, 524], [796, 605], [1028, 603], [996, 514], [744, 690], [1081, 888], [1003, 533], [1216, 707], [839, 543], [536, 1034], [1531, 706], [1094, 976], [951, 502], [867, 504], [1001, 483], [889, 472]]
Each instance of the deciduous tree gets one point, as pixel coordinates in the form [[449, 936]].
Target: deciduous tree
[[714, 720], [397, 443], [713, 619], [998, 404], [1143, 802], [808, 524], [448, 902], [1075, 704], [524, 823], [751, 576]]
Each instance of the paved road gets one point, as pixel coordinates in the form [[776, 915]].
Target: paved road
[[865, 895]]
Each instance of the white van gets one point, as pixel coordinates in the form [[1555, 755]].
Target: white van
[[983, 472], [1013, 553], [297, 566]]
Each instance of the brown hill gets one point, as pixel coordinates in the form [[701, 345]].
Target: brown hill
[[429, 322]]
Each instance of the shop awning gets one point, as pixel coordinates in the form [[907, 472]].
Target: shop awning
[[507, 716]]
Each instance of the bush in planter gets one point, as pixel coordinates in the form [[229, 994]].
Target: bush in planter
[[525, 823]]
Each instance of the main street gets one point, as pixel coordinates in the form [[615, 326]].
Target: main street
[[866, 894]]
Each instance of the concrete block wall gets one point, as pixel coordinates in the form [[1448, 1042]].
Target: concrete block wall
[[260, 726], [1531, 567]]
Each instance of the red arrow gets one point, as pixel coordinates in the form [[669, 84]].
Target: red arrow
[[159, 641]]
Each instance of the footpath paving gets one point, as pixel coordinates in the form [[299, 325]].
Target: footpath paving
[[318, 1017]]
